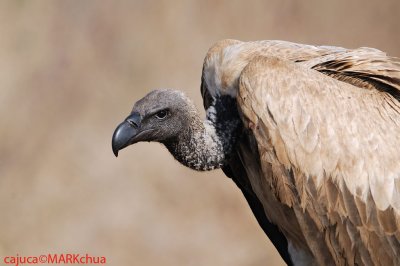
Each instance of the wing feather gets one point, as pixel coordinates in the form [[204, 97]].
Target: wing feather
[[331, 135]]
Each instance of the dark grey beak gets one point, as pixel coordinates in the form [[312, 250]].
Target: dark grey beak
[[124, 135]]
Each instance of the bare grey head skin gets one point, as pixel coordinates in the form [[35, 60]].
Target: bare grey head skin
[[171, 118]]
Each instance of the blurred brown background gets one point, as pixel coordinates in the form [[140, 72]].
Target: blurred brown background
[[69, 73]]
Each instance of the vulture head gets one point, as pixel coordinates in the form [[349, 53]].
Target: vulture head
[[159, 116], [171, 118]]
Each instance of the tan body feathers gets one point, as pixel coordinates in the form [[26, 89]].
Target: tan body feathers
[[325, 155]]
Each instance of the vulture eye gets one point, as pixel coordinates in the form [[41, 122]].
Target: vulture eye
[[161, 114]]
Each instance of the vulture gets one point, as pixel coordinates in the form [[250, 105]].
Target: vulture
[[310, 135]]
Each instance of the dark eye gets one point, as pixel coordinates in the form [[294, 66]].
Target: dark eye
[[162, 114]]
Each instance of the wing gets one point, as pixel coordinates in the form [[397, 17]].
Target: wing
[[329, 151], [367, 69]]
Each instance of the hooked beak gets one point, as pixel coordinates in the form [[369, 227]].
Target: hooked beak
[[126, 133]]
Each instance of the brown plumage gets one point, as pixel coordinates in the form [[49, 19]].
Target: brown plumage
[[316, 152]]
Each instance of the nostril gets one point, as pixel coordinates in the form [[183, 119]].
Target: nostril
[[133, 120], [132, 123]]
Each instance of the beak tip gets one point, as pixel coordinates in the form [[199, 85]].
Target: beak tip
[[115, 151]]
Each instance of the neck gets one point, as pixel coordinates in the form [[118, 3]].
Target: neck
[[207, 145]]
